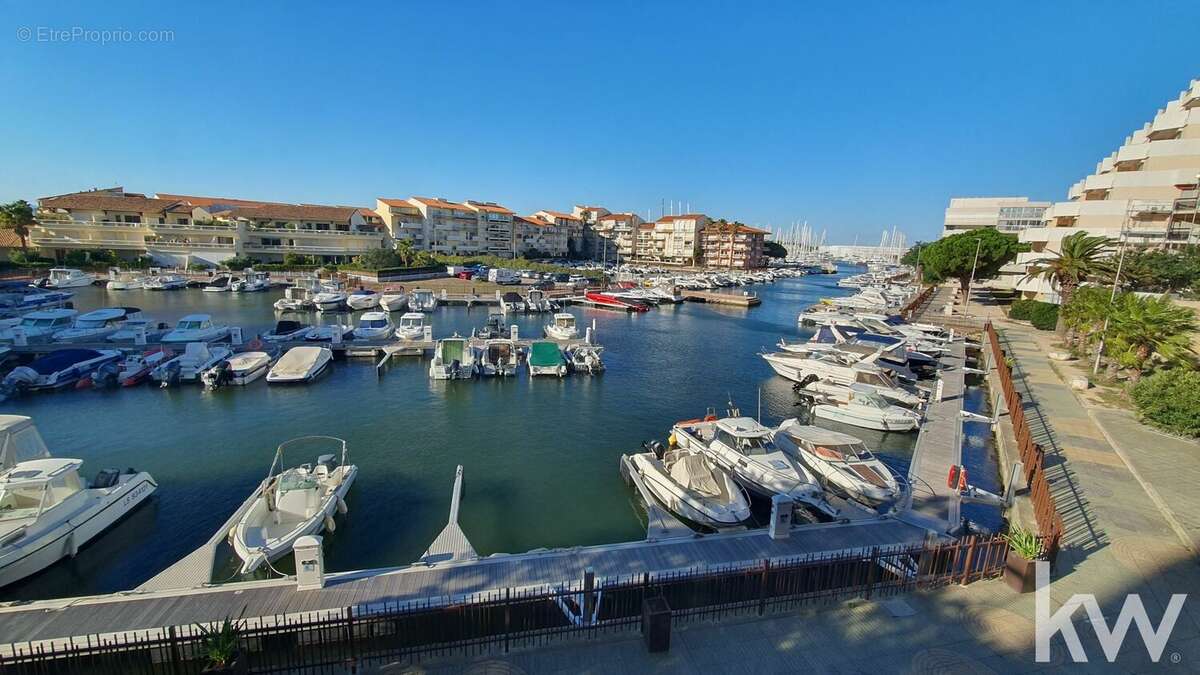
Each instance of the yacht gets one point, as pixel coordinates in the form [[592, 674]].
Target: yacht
[[300, 365], [222, 283], [19, 298], [830, 367], [585, 358], [165, 282], [841, 462], [287, 331], [536, 301], [690, 486], [411, 326], [330, 332], [498, 356], [746, 449], [422, 300], [196, 328], [65, 277], [134, 329], [251, 282], [453, 359], [492, 328], [127, 280], [512, 303], [238, 369], [363, 298], [331, 297], [373, 326], [297, 298], [293, 502], [859, 406], [97, 325], [196, 358], [47, 511], [562, 327], [39, 326], [136, 367], [393, 300], [56, 370], [545, 358]]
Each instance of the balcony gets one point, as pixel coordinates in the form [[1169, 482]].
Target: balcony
[[194, 227], [299, 231], [58, 241], [185, 247], [67, 223]]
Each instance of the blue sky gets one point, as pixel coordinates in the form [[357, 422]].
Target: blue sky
[[852, 116]]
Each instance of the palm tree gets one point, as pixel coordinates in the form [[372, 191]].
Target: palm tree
[[17, 216], [1081, 258], [404, 249], [1146, 328]]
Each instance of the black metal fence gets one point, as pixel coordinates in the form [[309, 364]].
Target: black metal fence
[[342, 640]]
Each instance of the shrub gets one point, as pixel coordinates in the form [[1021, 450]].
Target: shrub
[[238, 262], [1043, 315], [1170, 400], [75, 259]]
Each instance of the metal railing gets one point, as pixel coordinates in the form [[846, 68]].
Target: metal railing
[[505, 619]]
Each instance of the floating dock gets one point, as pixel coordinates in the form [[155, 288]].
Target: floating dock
[[939, 446], [715, 298]]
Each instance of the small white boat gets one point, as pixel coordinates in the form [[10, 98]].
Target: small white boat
[[512, 303], [422, 300], [545, 358], [125, 280], [239, 370], [136, 367], [841, 462], [491, 329], [411, 327], [196, 328], [562, 327], [373, 326], [56, 370], [453, 359], [330, 332], [222, 283], [47, 511], [132, 329], [165, 282], [287, 331], [97, 325], [298, 298], [39, 326], [293, 502], [499, 357], [860, 406], [691, 487], [585, 358], [65, 277], [251, 282], [300, 365], [536, 301], [196, 358], [331, 297], [362, 298], [393, 300]]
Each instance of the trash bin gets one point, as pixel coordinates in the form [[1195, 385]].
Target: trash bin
[[656, 624]]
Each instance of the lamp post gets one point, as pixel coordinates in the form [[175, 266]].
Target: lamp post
[[1111, 299]]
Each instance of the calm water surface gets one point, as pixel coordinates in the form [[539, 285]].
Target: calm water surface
[[540, 456]]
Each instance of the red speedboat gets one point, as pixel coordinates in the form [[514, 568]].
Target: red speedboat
[[607, 300]]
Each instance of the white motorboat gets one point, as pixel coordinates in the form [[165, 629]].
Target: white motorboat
[[38, 326], [222, 283], [97, 325], [287, 331], [453, 359], [669, 294], [165, 282], [297, 298], [546, 358], [585, 358], [56, 370], [300, 365], [238, 369], [331, 297], [691, 487], [859, 406], [125, 280], [841, 462], [536, 301], [512, 303], [492, 328], [47, 511], [833, 368], [362, 298], [562, 327], [196, 358], [422, 300], [251, 282], [373, 326], [293, 502], [18, 299], [500, 357], [330, 332], [393, 300], [411, 327], [196, 328], [132, 330], [136, 367], [746, 449], [65, 277]]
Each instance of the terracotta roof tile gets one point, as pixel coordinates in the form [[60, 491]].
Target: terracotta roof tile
[[88, 201], [340, 214], [9, 239]]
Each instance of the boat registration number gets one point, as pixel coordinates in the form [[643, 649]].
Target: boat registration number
[[135, 494]]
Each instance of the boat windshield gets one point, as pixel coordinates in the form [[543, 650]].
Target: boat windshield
[[37, 322], [565, 321], [21, 501], [190, 325], [879, 379], [373, 323], [294, 480], [411, 323], [90, 323], [747, 445], [849, 452], [870, 400]]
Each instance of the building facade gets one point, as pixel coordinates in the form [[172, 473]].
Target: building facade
[[616, 234], [676, 239], [574, 228], [733, 246], [1007, 214], [541, 236]]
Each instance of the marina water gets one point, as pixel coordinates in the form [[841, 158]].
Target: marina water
[[540, 455]]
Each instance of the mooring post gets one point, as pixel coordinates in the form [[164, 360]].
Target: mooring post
[[589, 601]]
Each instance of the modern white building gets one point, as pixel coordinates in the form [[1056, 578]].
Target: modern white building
[[1007, 214]]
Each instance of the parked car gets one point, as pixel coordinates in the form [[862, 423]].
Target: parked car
[[465, 274]]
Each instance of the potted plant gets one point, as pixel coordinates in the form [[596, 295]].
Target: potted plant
[[1024, 550], [221, 645]]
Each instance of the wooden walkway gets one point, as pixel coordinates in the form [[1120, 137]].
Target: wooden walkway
[[939, 446]]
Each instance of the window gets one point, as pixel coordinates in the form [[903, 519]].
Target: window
[[181, 221]]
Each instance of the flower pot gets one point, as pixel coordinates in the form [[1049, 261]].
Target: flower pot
[[236, 666], [1019, 573]]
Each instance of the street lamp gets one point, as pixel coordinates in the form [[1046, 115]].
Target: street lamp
[[1111, 299]]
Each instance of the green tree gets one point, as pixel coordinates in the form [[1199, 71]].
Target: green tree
[[774, 249], [18, 217], [379, 258], [238, 263], [1081, 258], [1084, 315], [953, 257], [913, 255], [1145, 329], [1161, 271]]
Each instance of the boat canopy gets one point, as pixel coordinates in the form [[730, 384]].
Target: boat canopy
[[62, 359], [812, 434], [285, 327], [452, 350], [544, 354], [19, 441], [564, 320], [38, 471], [693, 474]]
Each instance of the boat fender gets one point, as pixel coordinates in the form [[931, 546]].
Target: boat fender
[[330, 526], [671, 442], [71, 549], [710, 418], [341, 506]]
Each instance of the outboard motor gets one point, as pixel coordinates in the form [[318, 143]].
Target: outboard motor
[[171, 376], [655, 447], [106, 376], [217, 376], [107, 478]]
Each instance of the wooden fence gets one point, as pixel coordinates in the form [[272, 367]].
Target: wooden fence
[[918, 302], [497, 621], [1033, 456]]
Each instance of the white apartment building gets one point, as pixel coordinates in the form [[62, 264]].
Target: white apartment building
[[619, 230], [535, 233], [1007, 214], [496, 224], [676, 239], [572, 224], [1144, 193]]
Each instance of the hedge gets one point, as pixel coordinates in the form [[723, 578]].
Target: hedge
[[1170, 400], [1043, 315]]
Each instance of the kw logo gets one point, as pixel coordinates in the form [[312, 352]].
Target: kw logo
[[1132, 612]]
